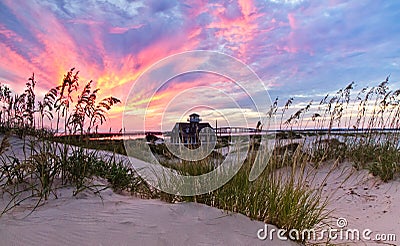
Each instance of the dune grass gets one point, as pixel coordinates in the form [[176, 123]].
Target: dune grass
[[42, 165], [279, 196], [362, 127]]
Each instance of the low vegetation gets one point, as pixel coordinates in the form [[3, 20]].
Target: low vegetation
[[278, 196]]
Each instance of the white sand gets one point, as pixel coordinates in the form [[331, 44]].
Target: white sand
[[363, 200], [123, 220]]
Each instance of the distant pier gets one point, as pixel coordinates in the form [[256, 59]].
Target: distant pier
[[233, 131]]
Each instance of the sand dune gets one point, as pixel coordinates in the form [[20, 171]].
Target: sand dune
[[117, 219], [125, 220], [364, 201]]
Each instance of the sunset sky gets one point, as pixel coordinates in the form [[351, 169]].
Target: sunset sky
[[298, 48]]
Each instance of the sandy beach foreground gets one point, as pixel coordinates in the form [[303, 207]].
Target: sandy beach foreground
[[125, 220], [114, 219], [362, 200]]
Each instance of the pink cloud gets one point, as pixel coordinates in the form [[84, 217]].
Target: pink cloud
[[121, 30], [292, 21]]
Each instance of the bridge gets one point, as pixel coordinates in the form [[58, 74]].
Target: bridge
[[220, 132], [229, 131]]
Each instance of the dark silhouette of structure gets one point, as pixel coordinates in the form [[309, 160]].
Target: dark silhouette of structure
[[188, 133]]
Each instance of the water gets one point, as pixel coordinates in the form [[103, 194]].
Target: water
[[126, 137]]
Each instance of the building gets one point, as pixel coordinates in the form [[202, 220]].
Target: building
[[190, 133]]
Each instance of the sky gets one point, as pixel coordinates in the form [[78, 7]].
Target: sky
[[297, 48]]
